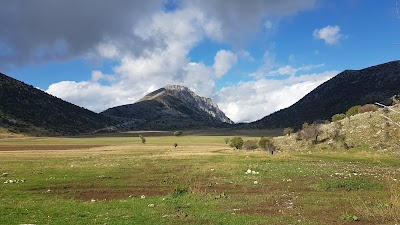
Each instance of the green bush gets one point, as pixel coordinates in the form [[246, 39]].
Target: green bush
[[237, 142], [180, 191], [338, 117], [353, 110]]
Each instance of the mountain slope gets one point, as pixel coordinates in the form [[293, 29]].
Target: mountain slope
[[171, 107], [351, 87], [25, 108]]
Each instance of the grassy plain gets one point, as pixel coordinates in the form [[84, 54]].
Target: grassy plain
[[119, 180]]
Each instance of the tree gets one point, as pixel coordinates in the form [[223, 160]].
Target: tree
[[250, 145], [226, 140], [266, 144], [287, 131], [142, 138], [310, 132], [237, 142]]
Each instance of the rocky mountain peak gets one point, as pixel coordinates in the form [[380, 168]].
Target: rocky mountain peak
[[195, 101], [171, 107]]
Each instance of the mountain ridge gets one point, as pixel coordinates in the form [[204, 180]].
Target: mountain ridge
[[351, 87], [24, 108]]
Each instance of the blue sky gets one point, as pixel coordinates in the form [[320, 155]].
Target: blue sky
[[251, 57]]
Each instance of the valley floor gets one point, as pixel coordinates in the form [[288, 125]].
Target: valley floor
[[119, 180]]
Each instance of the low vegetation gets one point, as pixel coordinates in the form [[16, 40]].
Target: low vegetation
[[330, 173]]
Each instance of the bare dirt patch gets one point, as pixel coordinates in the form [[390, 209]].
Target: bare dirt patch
[[106, 193], [4, 148]]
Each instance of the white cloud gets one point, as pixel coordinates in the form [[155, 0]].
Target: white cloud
[[250, 101], [98, 75], [330, 34], [224, 61], [289, 70], [156, 50]]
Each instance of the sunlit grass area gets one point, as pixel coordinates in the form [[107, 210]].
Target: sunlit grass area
[[119, 180]]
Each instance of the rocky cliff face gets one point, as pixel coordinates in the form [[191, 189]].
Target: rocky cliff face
[[193, 100], [170, 107]]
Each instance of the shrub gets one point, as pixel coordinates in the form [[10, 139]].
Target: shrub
[[287, 131], [250, 145], [178, 133], [266, 143], [309, 132], [237, 142], [175, 145], [368, 108], [338, 117], [180, 191], [353, 110]]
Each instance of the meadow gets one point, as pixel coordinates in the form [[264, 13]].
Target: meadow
[[119, 180]]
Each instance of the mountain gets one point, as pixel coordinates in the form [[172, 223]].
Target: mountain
[[351, 87], [24, 108], [170, 107]]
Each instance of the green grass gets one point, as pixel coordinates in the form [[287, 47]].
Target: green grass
[[202, 181]]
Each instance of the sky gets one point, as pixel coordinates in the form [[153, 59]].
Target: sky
[[250, 57]]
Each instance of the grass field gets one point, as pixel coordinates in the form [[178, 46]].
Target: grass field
[[119, 180]]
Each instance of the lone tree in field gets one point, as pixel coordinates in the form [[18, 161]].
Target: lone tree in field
[[237, 142], [226, 140], [142, 138]]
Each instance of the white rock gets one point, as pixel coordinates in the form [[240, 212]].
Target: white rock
[[142, 197], [255, 182], [5, 175], [150, 205]]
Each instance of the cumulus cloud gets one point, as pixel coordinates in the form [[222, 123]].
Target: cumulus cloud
[[224, 60], [330, 34], [151, 48], [239, 19], [252, 100], [54, 30]]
